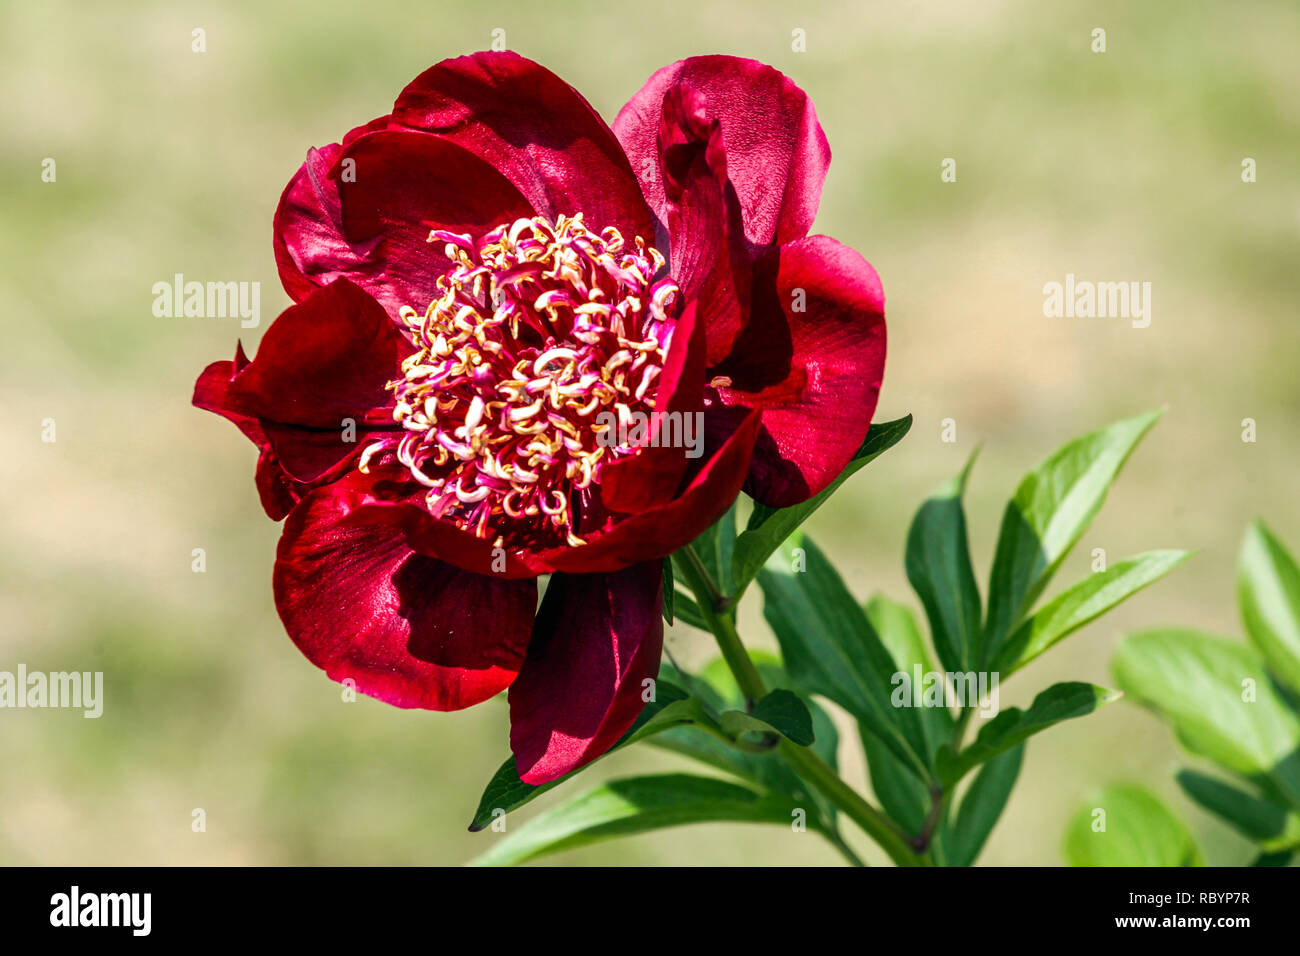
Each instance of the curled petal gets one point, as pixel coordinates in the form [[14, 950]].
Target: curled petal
[[395, 186], [406, 628], [388, 492], [653, 475], [310, 250], [597, 640], [535, 129], [363, 209], [811, 362], [324, 360], [777, 155], [316, 387], [660, 530], [710, 258], [277, 490]]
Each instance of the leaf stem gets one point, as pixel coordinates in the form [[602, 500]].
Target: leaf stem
[[702, 583], [959, 728], [876, 825], [938, 801], [808, 764], [737, 658], [722, 623]]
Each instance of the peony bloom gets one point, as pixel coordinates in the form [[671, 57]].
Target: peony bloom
[[487, 282]]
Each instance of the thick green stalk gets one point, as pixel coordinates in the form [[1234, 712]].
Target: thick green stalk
[[805, 761], [876, 825]]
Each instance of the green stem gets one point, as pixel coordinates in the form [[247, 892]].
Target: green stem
[[938, 803], [876, 825], [809, 765], [959, 727], [737, 658], [837, 841], [702, 582]]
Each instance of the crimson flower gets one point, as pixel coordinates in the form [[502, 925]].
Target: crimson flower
[[486, 282]]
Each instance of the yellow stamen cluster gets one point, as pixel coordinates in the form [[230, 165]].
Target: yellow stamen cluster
[[539, 327]]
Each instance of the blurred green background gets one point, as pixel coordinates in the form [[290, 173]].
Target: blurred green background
[[1117, 166]]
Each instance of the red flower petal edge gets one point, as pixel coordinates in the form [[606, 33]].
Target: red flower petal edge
[[595, 645], [403, 627]]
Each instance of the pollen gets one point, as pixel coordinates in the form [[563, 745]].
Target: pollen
[[542, 334]]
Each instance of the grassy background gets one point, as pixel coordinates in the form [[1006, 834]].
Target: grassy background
[[1116, 166]]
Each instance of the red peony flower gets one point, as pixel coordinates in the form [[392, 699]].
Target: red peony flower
[[490, 286]]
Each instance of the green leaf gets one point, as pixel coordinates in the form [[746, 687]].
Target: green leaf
[[1051, 509], [780, 712], [826, 739], [772, 670], [768, 527], [897, 629], [715, 547], [687, 611], [1268, 590], [982, 805], [829, 646], [702, 685], [784, 712], [637, 805], [1274, 828], [718, 689], [706, 747], [896, 626], [1139, 831], [1009, 728], [670, 588], [939, 570], [761, 769], [1087, 600], [904, 795], [506, 792], [1274, 859], [1217, 695]]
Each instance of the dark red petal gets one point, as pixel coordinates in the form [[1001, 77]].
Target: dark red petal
[[661, 530], [310, 250], [363, 210], [408, 629], [815, 373], [777, 155], [710, 259], [324, 360], [276, 489], [316, 386], [652, 476], [407, 183], [597, 639], [455, 545], [396, 499], [312, 457], [212, 394], [537, 130]]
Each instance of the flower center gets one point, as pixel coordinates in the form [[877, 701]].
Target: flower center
[[540, 332]]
